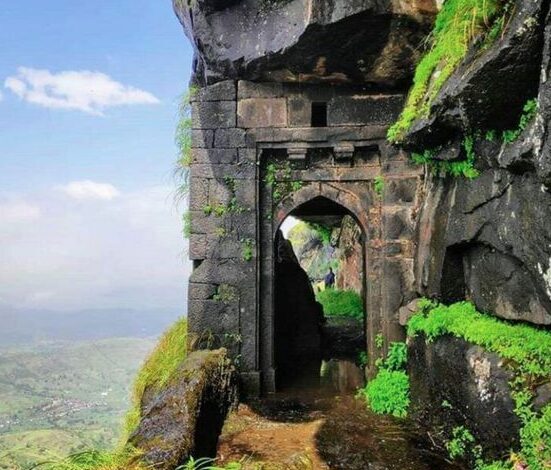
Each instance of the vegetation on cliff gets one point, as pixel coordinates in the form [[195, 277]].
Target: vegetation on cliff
[[527, 351], [458, 25], [158, 370]]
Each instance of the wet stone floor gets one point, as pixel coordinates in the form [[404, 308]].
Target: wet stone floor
[[310, 430]]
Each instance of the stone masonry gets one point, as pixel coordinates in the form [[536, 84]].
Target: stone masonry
[[260, 151]]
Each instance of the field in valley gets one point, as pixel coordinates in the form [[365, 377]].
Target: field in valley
[[63, 397]]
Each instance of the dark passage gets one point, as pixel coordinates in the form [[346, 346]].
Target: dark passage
[[320, 329]]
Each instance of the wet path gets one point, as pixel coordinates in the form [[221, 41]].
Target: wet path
[[308, 431]]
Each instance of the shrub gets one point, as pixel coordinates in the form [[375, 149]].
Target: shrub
[[341, 303], [388, 393]]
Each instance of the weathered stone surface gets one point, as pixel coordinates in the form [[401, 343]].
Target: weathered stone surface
[[489, 89], [322, 41], [342, 338], [488, 240], [185, 418], [262, 112], [364, 108], [213, 114], [454, 383]]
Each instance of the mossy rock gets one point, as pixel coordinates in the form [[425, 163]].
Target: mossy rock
[[185, 418]]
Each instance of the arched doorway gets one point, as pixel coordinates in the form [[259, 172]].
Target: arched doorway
[[319, 300]]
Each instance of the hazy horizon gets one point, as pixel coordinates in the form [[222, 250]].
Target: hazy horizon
[[88, 113]]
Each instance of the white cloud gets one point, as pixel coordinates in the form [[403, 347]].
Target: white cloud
[[129, 253], [82, 190], [1, 96], [18, 211], [90, 92]]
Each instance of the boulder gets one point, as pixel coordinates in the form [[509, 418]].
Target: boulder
[[185, 418], [331, 41], [454, 383]]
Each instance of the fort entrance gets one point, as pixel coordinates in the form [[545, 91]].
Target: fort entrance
[[264, 151]]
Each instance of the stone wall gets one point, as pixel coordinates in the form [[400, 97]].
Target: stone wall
[[239, 129]]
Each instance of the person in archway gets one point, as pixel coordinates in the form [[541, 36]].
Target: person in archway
[[329, 279]]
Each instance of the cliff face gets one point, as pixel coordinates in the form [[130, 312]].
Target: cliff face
[[362, 41], [489, 239]]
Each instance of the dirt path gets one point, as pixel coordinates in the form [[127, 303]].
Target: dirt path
[[303, 432]]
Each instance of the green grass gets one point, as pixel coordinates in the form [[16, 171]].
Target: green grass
[[457, 25], [526, 351], [159, 369], [341, 303]]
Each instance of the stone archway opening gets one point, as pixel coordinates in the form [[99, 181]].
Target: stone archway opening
[[319, 298]]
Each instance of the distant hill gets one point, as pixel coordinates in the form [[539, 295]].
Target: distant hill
[[19, 327]]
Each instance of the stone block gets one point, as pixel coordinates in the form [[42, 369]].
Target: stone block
[[364, 109], [300, 111], [214, 156], [213, 317], [247, 155], [221, 91], [201, 291], [397, 224], [223, 247], [244, 171], [197, 247], [213, 114], [198, 193], [262, 112], [246, 89], [400, 191], [232, 138], [201, 138], [227, 271], [219, 193]]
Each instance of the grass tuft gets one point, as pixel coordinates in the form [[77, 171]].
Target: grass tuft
[[159, 369], [457, 25]]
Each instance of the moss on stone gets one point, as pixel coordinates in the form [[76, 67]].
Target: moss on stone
[[458, 24], [527, 351], [158, 370]]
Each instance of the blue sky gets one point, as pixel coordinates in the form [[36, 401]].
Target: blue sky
[[88, 107]]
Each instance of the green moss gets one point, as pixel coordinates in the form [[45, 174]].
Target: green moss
[[159, 369], [341, 303], [527, 353], [458, 24], [527, 347]]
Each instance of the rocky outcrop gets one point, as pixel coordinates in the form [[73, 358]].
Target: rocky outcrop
[[454, 383], [186, 417], [489, 239], [369, 42], [298, 319], [350, 255]]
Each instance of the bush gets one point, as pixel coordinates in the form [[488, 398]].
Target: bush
[[341, 303], [388, 393]]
